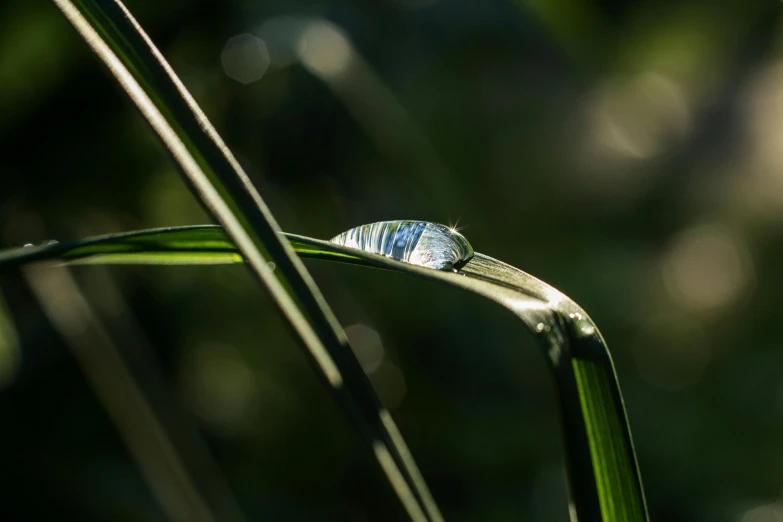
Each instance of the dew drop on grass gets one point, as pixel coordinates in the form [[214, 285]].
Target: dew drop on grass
[[583, 324], [418, 243], [543, 328]]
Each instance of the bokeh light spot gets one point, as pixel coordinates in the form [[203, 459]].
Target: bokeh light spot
[[639, 118], [366, 345], [765, 513], [762, 112], [763, 101], [707, 268], [219, 385], [281, 35], [245, 58], [324, 49]]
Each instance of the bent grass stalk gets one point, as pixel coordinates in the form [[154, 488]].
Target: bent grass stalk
[[604, 480]]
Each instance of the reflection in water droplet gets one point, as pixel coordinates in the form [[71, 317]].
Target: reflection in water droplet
[[588, 330], [415, 242], [27, 245]]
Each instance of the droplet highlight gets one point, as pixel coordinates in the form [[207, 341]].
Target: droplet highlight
[[582, 324], [419, 243], [588, 330], [543, 328]]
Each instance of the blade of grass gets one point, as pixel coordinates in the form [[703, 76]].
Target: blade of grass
[[144, 366], [215, 176], [604, 479], [115, 387], [189, 245], [9, 346]]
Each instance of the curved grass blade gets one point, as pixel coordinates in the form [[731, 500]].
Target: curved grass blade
[[603, 473], [187, 245], [214, 175]]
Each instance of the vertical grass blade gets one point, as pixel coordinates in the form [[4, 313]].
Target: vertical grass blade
[[603, 474], [116, 389], [9, 346], [611, 452], [216, 178]]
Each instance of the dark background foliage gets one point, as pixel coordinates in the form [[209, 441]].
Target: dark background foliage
[[629, 153]]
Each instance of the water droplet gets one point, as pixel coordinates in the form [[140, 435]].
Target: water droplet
[[28, 245], [50, 242], [582, 324], [541, 328], [271, 265], [415, 242]]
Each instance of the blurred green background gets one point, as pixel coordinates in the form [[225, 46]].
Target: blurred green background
[[629, 153]]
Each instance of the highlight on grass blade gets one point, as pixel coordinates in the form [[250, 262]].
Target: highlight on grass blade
[[216, 178]]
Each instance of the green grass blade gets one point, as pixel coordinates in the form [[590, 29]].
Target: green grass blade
[[99, 358], [9, 346], [214, 175], [603, 473], [611, 452], [187, 245]]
